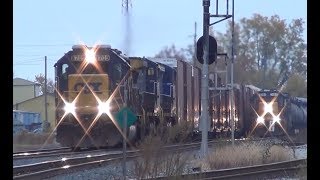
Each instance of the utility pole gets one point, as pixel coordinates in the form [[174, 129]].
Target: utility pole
[[204, 124], [232, 92], [128, 34], [45, 89], [124, 168], [204, 81], [195, 43], [125, 4]]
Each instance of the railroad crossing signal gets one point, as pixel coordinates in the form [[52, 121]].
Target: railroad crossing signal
[[131, 117], [212, 49]]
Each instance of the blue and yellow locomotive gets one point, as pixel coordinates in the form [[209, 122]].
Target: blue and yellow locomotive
[[90, 91]]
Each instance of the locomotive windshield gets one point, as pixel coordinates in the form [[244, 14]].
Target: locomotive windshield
[[268, 96]]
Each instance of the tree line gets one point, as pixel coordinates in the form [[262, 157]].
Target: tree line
[[268, 52]]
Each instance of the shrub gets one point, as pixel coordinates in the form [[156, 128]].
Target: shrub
[[154, 160], [246, 155]]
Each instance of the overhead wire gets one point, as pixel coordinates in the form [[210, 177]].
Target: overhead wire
[[41, 45]]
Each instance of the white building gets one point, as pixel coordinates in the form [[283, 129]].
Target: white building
[[24, 90]]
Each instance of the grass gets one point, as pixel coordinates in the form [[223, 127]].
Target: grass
[[154, 161], [245, 155]]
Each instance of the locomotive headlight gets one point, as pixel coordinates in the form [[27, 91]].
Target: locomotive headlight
[[268, 108], [260, 120], [104, 107], [90, 55], [69, 108], [276, 119]]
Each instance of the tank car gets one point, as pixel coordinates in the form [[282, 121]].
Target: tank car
[[296, 114]]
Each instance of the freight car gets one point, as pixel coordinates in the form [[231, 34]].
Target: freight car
[[90, 86]]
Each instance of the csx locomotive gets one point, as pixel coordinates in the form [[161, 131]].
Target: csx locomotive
[[90, 86], [90, 91]]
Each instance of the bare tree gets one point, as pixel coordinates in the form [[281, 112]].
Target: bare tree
[[268, 50], [172, 52], [50, 84]]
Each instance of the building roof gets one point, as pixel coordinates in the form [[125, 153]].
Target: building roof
[[48, 94], [23, 82], [22, 111]]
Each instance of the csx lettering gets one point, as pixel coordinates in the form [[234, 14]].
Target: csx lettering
[[95, 86]]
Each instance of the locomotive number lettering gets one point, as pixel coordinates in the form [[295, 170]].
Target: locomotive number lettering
[[77, 58], [104, 57], [95, 86]]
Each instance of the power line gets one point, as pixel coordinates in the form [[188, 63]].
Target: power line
[[41, 45], [34, 62], [29, 60], [35, 55], [27, 64]]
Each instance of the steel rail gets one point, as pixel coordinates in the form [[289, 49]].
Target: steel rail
[[278, 169]]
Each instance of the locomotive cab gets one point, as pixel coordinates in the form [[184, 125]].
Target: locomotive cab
[[269, 106]]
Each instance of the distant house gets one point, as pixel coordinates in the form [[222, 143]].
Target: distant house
[[24, 90], [37, 104]]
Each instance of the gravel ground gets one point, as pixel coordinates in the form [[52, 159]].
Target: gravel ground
[[300, 152], [114, 171]]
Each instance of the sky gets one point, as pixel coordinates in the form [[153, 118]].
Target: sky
[[50, 28]]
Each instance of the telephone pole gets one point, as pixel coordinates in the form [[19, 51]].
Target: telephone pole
[[204, 123], [195, 43], [124, 141], [128, 31], [204, 81], [232, 92], [45, 90]]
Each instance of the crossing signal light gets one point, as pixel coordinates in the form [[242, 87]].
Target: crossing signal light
[[212, 49]]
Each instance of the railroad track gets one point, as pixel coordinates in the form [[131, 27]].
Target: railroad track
[[272, 170], [56, 152], [32, 157], [64, 152], [52, 168], [40, 153], [55, 167], [37, 151]]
